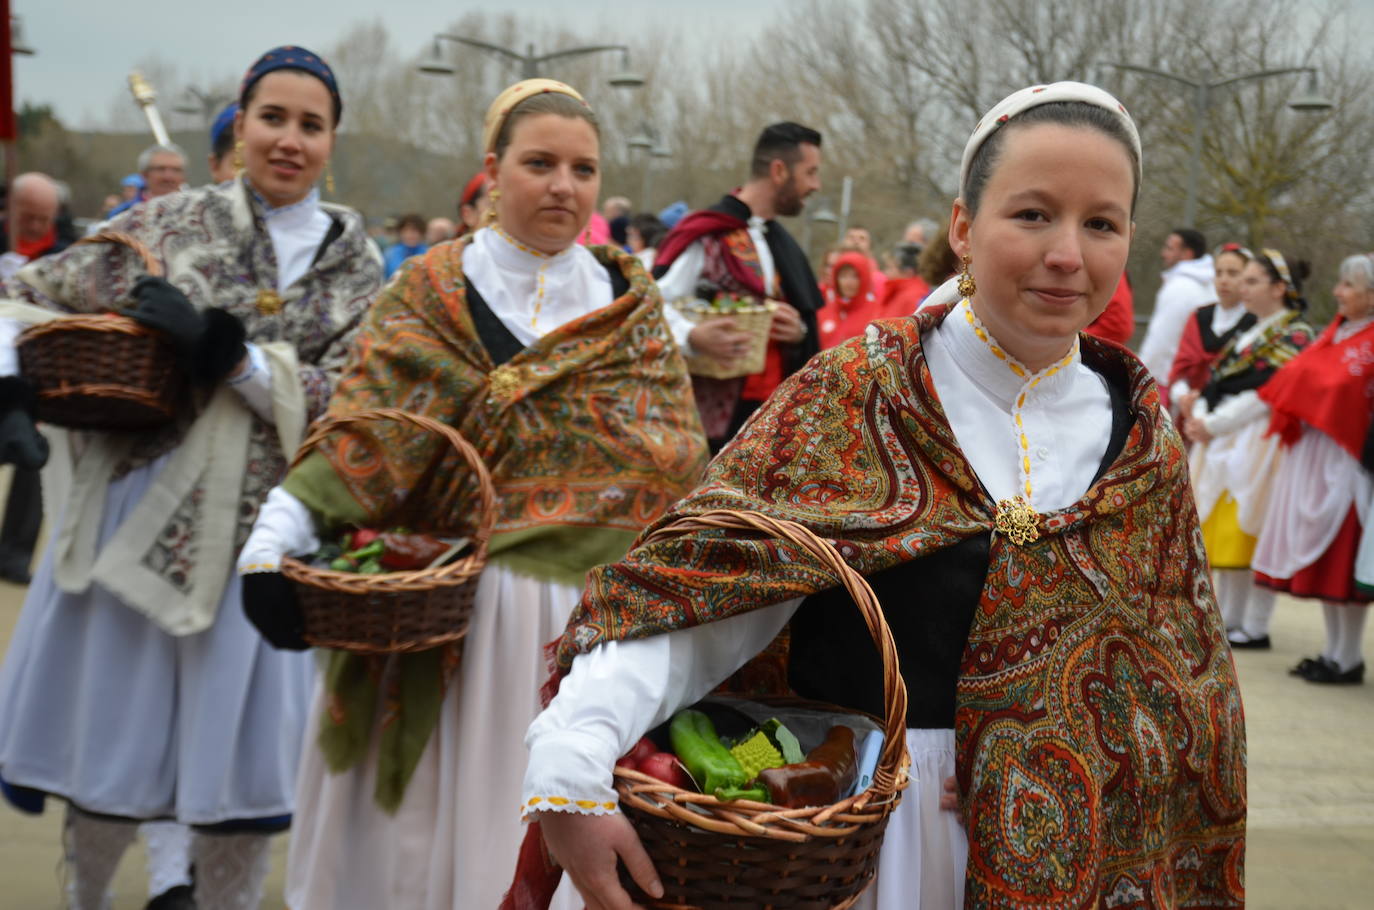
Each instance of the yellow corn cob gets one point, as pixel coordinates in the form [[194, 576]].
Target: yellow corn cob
[[757, 753]]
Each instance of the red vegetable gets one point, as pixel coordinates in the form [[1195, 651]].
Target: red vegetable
[[642, 750], [362, 537], [665, 767]]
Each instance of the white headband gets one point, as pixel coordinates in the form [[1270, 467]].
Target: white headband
[[1034, 96]]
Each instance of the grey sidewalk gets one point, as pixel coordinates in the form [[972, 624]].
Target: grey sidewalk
[[1311, 754]]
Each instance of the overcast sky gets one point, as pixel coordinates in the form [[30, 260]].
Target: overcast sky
[[85, 48]]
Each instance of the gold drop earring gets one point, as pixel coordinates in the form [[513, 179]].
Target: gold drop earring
[[967, 286], [329, 177], [238, 156]]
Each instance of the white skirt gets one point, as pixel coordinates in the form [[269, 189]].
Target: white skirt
[[454, 839], [925, 849], [101, 707]]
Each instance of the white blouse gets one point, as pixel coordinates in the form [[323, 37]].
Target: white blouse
[[619, 690]]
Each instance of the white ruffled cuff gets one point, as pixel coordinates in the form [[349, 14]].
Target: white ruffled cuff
[[284, 527], [254, 384], [569, 771]]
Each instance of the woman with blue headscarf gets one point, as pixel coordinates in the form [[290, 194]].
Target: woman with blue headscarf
[[130, 690]]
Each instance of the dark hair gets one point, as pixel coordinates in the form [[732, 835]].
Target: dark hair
[[781, 140], [650, 228], [1059, 113], [411, 220], [223, 144], [1193, 240], [938, 260], [543, 103], [246, 98], [908, 256], [1298, 270]]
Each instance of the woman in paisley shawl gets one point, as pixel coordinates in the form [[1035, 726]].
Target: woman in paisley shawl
[[1019, 501], [1321, 405], [555, 362], [1234, 459], [134, 687]]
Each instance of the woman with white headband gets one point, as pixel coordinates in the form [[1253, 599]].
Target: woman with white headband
[[1234, 458], [1020, 503]]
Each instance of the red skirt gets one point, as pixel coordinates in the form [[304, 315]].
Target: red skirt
[[1332, 576]]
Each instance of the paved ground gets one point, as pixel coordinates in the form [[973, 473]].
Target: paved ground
[[1311, 840]]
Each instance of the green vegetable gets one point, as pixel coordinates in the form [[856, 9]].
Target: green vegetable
[[758, 794], [373, 550], [370, 567], [756, 753], [787, 744], [342, 564], [700, 750]]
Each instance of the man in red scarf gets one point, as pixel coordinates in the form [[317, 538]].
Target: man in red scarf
[[738, 248], [30, 225], [28, 232]]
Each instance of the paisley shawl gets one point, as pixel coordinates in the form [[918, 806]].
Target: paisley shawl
[[1099, 729], [589, 434]]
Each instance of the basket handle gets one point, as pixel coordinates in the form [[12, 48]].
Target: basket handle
[[886, 778], [121, 238], [486, 492]]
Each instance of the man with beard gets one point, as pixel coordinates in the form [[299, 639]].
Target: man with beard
[[737, 248]]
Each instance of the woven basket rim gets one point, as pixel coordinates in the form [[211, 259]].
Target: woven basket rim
[[457, 572], [743, 818]]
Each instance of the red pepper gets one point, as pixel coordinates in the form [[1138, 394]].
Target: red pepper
[[361, 538], [410, 551]]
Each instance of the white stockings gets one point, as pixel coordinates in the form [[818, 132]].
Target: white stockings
[[1345, 624], [230, 868], [1244, 605]]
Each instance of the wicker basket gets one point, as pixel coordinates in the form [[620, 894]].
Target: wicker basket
[[713, 855], [754, 321], [394, 611], [103, 372]]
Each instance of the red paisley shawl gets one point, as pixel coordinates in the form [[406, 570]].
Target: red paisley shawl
[[1330, 386], [1100, 736]]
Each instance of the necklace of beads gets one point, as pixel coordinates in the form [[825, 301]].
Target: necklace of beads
[[1016, 518]]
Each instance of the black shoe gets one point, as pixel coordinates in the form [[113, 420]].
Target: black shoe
[[1327, 672], [1304, 666], [1241, 639], [181, 897]]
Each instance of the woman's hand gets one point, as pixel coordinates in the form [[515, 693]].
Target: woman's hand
[[949, 794], [787, 326], [1194, 430], [720, 339], [587, 847], [1185, 403]]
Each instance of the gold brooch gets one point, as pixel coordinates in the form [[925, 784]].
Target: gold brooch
[[269, 302], [1018, 521], [504, 382]]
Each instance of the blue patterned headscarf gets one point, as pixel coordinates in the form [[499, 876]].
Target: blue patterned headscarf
[[224, 121], [289, 57]]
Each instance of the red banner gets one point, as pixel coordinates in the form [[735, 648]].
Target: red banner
[[8, 130]]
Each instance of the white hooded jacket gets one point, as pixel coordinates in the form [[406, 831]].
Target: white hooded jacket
[[1187, 286]]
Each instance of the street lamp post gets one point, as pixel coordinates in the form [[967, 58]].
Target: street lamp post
[[650, 142], [1309, 100], [530, 62]]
